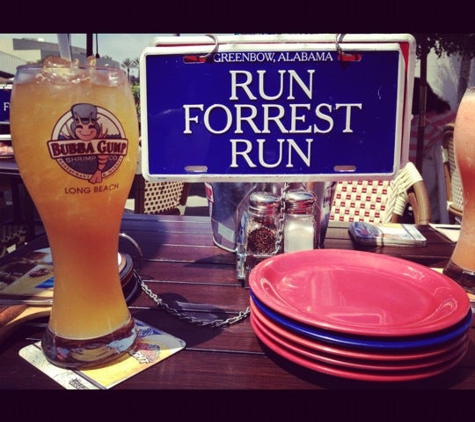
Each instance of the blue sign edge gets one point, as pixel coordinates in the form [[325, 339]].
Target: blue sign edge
[[405, 78]]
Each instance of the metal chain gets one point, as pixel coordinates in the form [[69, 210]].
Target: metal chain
[[193, 320], [280, 230], [161, 304]]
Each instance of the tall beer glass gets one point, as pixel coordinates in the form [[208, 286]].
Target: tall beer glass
[[461, 266], [75, 138]]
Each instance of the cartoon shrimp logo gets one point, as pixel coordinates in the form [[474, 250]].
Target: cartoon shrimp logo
[[88, 142]]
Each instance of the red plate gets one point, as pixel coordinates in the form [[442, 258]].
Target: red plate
[[392, 356], [369, 365], [359, 293], [360, 375]]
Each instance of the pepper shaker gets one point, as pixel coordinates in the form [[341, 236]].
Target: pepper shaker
[[258, 233]]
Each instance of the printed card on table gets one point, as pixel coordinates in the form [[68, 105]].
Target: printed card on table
[[152, 347], [28, 276]]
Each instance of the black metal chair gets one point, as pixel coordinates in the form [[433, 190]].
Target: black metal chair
[[159, 197]]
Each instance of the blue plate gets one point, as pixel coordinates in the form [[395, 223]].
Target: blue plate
[[365, 342]]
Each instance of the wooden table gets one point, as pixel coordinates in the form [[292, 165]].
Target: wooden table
[[181, 262]]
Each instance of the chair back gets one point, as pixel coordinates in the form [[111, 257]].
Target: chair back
[[361, 200], [382, 201], [452, 175], [160, 197]]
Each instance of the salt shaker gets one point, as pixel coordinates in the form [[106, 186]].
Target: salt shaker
[[300, 228], [259, 232]]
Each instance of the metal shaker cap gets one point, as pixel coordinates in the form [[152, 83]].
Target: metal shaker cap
[[264, 203], [300, 201]]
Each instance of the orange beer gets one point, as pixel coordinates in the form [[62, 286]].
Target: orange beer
[[75, 138], [462, 263]]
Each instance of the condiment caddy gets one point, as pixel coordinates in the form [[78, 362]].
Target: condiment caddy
[[275, 223]]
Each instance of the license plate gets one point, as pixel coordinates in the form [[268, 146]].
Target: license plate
[[259, 108]]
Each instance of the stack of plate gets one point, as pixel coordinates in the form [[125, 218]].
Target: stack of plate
[[360, 315]]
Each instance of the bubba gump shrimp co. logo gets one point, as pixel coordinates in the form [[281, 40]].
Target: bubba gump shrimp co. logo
[[88, 142]]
